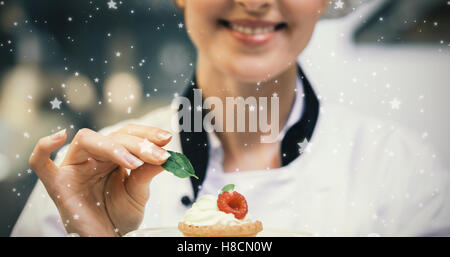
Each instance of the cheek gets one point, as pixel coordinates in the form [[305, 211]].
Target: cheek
[[302, 6], [201, 19], [302, 16]]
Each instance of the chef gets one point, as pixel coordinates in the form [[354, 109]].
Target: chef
[[331, 171]]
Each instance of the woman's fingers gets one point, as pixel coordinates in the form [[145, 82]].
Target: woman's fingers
[[88, 143], [158, 136], [142, 148], [137, 184], [40, 158]]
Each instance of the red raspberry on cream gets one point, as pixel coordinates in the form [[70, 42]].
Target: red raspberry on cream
[[233, 202]]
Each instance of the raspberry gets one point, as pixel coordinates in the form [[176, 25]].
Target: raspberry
[[233, 202]]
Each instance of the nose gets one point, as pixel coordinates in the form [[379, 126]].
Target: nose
[[254, 5]]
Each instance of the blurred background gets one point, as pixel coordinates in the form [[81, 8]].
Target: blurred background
[[75, 64]]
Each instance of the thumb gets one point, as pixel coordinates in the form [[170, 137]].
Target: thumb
[[40, 158], [137, 184]]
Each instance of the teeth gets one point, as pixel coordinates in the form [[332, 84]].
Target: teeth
[[252, 31]]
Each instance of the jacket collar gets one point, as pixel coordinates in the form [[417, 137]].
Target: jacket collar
[[195, 145]]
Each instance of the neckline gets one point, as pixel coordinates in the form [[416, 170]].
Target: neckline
[[196, 146], [295, 115]]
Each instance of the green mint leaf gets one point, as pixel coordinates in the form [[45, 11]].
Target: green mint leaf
[[179, 165], [227, 188]]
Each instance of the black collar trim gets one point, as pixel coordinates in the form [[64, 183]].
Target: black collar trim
[[196, 147]]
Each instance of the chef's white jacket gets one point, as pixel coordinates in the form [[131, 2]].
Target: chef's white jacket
[[358, 176]]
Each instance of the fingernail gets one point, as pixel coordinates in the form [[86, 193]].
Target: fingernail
[[164, 135], [133, 161], [59, 134], [164, 156]]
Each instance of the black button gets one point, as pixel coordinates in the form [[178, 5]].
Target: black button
[[186, 201]]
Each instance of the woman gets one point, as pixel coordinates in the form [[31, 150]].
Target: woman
[[356, 176]]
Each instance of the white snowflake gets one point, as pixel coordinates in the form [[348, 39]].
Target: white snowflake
[[56, 104], [395, 104], [338, 4], [302, 146], [146, 146], [112, 4]]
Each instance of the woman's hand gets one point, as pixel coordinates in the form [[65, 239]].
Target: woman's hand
[[91, 188]]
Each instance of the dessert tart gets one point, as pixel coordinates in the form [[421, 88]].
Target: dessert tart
[[225, 215]]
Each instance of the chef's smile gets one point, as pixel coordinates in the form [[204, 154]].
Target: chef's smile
[[252, 32]]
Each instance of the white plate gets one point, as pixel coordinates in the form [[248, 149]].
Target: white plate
[[174, 232]]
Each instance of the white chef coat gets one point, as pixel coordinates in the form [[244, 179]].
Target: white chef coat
[[358, 176]]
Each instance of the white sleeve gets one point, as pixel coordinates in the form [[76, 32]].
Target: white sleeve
[[419, 188]]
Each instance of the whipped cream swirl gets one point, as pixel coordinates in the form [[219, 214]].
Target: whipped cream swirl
[[204, 212]]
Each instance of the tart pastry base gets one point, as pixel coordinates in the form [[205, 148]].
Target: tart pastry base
[[242, 230]]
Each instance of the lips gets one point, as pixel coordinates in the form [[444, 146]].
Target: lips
[[252, 32], [252, 27]]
